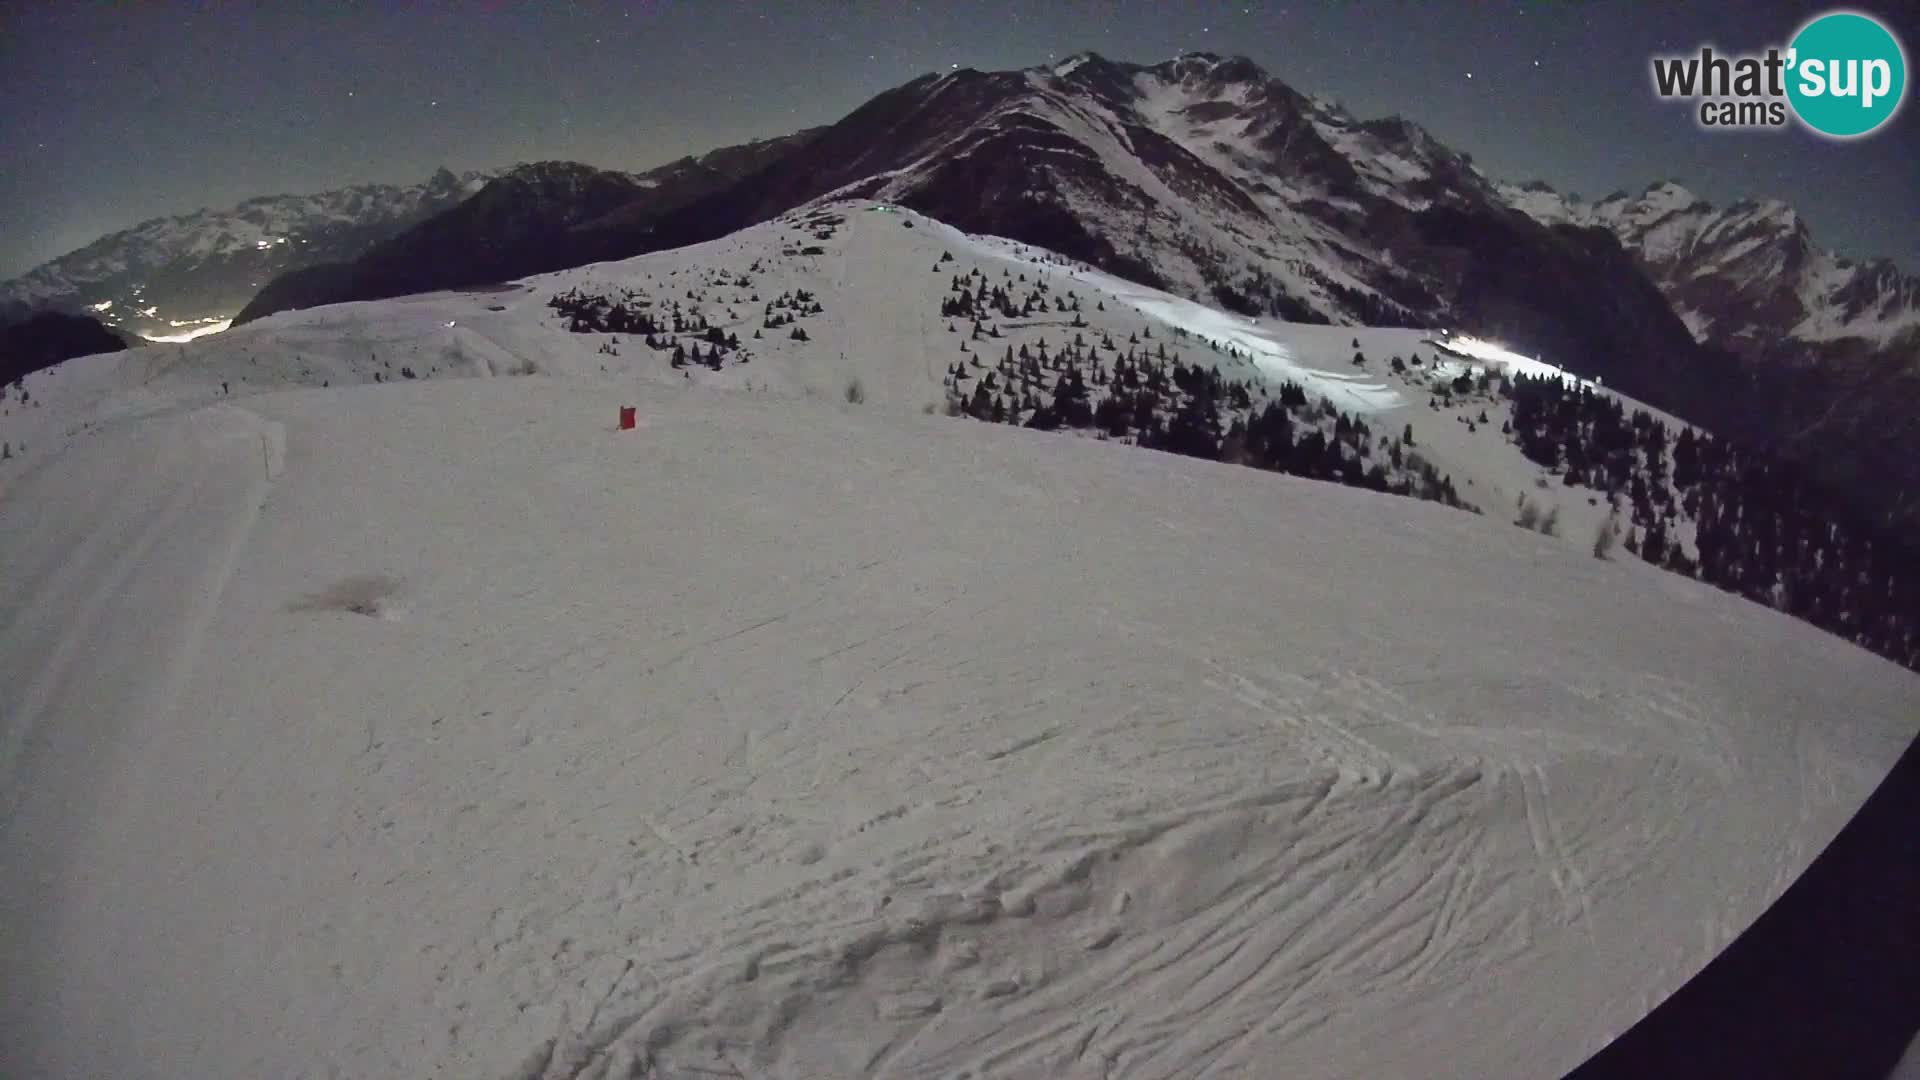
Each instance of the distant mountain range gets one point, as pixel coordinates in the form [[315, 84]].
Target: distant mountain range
[[528, 219], [1205, 176], [1745, 276], [171, 275]]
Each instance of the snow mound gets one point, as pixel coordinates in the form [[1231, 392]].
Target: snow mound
[[782, 738]]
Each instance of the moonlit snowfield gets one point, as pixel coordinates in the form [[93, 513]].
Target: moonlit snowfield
[[438, 728]]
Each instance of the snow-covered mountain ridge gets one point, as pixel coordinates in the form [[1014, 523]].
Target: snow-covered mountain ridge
[[1745, 274], [170, 275], [531, 219], [1202, 175], [882, 277], [913, 314]]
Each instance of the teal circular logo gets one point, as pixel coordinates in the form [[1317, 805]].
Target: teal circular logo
[[1846, 74]]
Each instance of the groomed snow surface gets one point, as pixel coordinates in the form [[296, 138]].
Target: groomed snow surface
[[438, 728], [786, 739]]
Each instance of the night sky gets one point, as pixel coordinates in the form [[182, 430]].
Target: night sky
[[119, 112]]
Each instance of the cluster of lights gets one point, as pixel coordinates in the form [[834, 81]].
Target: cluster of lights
[[201, 328], [1481, 349]]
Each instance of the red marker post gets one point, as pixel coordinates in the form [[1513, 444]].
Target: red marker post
[[628, 418]]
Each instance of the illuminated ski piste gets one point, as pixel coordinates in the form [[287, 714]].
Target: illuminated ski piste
[[1491, 354]]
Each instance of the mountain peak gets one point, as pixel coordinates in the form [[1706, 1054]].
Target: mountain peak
[[444, 183], [1669, 193], [1775, 216], [1772, 208], [536, 170], [1213, 68], [1075, 62]]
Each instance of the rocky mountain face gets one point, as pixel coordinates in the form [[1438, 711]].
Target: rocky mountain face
[[529, 219], [1200, 174], [167, 276], [1830, 346], [1745, 275]]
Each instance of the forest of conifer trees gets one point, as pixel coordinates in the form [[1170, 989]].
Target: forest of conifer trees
[[1759, 527]]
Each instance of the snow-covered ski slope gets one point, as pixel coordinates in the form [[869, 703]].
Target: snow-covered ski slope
[[439, 728], [804, 740]]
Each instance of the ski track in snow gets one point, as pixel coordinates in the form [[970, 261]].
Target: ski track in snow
[[782, 738], [192, 488]]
